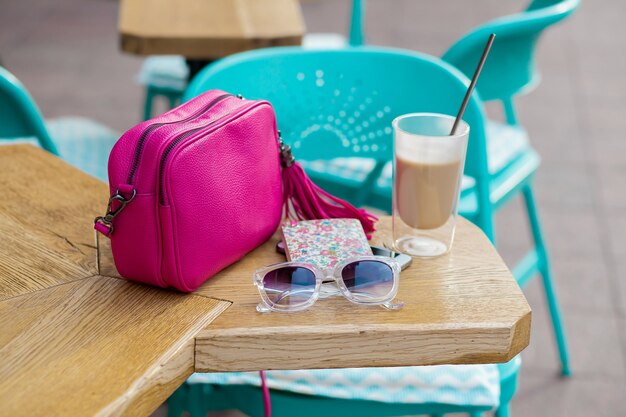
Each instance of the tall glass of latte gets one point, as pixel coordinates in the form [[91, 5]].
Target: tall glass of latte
[[428, 168]]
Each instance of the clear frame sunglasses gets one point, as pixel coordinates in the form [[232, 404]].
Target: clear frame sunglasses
[[296, 286]]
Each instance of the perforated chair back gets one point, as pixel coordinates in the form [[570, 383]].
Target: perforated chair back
[[340, 103]]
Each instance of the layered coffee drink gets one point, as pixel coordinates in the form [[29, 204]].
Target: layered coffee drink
[[426, 192], [428, 167]]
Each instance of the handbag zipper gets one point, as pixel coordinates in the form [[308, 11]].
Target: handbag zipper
[[104, 224], [152, 127], [170, 147]]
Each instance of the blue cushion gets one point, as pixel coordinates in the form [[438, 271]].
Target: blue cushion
[[505, 143], [19, 141], [384, 181], [462, 385], [81, 142], [167, 71], [351, 172]]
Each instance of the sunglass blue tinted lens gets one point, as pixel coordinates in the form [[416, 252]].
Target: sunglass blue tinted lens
[[368, 280], [289, 285]]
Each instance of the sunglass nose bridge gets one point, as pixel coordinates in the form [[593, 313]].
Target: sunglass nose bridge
[[329, 289]]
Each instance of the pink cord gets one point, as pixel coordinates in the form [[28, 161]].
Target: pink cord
[[267, 401]]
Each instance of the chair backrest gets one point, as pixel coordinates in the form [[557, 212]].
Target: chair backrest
[[511, 67], [19, 115], [340, 103]]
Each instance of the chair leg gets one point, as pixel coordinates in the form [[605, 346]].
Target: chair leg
[[544, 269], [147, 107], [173, 99], [485, 216], [196, 404], [503, 411], [178, 401]]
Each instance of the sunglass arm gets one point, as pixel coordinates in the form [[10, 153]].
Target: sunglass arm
[[393, 305]]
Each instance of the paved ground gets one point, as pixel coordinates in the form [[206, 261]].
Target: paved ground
[[66, 53]]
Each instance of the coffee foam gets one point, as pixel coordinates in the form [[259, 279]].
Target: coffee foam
[[432, 150]]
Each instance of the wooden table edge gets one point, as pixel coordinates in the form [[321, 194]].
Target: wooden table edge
[[209, 48], [245, 349], [162, 378]]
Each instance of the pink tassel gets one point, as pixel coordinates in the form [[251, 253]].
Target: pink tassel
[[303, 200]]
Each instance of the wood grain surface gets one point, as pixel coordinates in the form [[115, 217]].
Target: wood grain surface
[[47, 235], [97, 346], [464, 307], [208, 29], [75, 342]]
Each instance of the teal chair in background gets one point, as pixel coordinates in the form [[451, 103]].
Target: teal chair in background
[[356, 32], [81, 142], [19, 116], [167, 75], [335, 106], [511, 70], [163, 76], [386, 392]]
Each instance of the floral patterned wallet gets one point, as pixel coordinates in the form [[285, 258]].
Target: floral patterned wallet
[[324, 243]]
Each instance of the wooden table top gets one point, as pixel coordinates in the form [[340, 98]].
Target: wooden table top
[[83, 343], [207, 29]]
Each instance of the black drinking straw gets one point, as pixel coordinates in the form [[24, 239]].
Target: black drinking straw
[[479, 68]]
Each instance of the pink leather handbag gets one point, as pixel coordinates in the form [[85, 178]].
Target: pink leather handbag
[[195, 189]]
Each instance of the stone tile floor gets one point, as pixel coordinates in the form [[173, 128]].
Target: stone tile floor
[[66, 52]]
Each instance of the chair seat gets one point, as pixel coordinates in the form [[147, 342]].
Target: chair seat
[[505, 184], [350, 172], [466, 385], [505, 143], [384, 181], [338, 174], [167, 72], [81, 142], [508, 146]]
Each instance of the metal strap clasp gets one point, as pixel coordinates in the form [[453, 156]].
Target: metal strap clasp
[[286, 156], [104, 224]]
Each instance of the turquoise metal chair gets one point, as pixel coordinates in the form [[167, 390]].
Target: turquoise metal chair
[[335, 107], [163, 76], [511, 70], [166, 76], [19, 115], [338, 105], [81, 142], [196, 398]]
